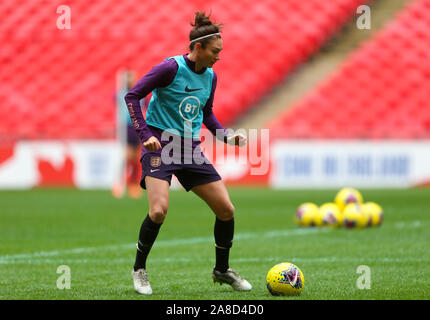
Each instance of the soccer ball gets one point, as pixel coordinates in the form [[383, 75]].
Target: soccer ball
[[352, 215], [376, 213], [305, 214], [347, 195], [331, 215], [365, 219], [285, 279], [318, 219]]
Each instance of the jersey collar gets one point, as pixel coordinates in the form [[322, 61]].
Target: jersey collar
[[192, 64]]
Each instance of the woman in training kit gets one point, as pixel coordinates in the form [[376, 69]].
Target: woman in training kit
[[183, 90]]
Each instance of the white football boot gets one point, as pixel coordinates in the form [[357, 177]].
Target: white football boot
[[141, 282], [232, 278]]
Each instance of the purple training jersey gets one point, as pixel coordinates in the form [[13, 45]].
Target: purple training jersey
[[161, 76]]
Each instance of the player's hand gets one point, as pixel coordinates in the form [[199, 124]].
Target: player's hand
[[152, 144], [237, 139]]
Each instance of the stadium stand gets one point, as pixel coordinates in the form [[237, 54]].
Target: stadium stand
[[60, 84], [380, 92]]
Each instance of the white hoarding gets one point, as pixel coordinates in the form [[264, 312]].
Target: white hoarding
[[84, 164], [326, 164]]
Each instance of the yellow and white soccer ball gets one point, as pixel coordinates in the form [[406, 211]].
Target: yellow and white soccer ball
[[365, 219], [352, 216], [346, 196], [331, 215], [306, 214], [318, 219], [375, 212], [285, 279]]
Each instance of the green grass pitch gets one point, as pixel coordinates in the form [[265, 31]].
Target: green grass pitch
[[95, 236]]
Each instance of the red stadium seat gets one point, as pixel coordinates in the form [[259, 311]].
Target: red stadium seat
[[380, 92], [69, 75]]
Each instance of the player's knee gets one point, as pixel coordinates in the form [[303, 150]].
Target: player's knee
[[158, 213], [227, 213]]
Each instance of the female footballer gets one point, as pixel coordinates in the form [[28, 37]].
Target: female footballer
[[183, 90]]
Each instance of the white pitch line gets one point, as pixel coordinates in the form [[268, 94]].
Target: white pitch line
[[6, 259], [408, 224], [163, 243], [367, 260]]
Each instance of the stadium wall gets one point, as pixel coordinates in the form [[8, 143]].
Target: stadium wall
[[81, 164], [326, 164], [284, 164]]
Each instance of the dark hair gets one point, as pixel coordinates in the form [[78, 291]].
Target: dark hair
[[203, 26]]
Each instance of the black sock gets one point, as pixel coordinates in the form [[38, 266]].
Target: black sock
[[147, 235], [223, 232]]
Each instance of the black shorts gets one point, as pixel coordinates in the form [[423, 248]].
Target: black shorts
[[189, 175]]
